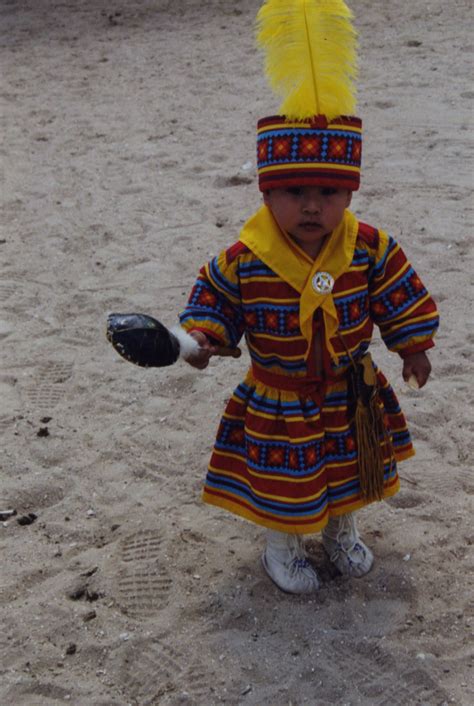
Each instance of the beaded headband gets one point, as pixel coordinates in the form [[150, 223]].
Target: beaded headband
[[309, 153]]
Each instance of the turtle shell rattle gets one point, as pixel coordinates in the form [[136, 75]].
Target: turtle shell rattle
[[144, 341]]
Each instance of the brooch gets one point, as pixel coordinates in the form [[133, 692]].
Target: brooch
[[322, 282]]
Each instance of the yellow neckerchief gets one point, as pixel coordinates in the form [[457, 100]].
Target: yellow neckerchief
[[262, 235]]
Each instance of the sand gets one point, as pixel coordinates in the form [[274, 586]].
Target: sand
[[128, 134]]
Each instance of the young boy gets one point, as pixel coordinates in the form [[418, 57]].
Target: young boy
[[286, 454], [302, 444]]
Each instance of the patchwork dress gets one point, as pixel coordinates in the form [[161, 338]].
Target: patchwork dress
[[285, 455]]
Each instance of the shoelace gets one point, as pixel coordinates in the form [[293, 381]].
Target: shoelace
[[361, 555], [347, 529], [298, 564]]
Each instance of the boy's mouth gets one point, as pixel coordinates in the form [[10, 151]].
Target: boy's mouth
[[310, 225]]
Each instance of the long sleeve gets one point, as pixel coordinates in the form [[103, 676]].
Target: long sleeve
[[399, 302], [214, 305]]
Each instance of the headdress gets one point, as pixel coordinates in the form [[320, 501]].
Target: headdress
[[310, 61]]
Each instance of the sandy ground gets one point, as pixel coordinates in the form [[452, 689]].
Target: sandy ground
[[128, 152]]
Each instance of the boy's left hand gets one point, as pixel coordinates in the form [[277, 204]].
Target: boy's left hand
[[417, 364]]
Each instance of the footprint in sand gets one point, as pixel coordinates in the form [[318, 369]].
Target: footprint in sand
[[33, 497], [142, 546], [11, 403], [141, 592], [153, 672], [46, 390], [143, 581], [7, 290], [384, 678]]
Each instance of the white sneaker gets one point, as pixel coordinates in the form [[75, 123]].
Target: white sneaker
[[284, 560], [345, 548]]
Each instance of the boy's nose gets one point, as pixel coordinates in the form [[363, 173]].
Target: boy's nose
[[312, 205]]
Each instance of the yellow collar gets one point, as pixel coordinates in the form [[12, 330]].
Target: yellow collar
[[262, 235]]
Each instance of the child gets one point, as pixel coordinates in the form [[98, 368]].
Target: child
[[305, 283]]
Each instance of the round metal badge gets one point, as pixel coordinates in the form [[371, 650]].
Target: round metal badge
[[322, 282]]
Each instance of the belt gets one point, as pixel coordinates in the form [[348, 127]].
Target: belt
[[304, 386]]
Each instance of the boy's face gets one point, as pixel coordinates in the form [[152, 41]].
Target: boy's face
[[308, 213]]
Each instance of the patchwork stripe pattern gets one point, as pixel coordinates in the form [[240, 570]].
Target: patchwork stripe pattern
[[284, 459], [312, 152]]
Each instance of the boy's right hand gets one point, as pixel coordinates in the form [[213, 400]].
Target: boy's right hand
[[201, 359], [418, 366]]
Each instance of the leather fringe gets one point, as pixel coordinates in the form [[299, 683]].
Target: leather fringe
[[369, 428], [371, 433]]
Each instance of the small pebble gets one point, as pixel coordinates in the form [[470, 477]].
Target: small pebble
[[71, 649], [27, 519], [90, 571], [76, 592], [89, 616], [92, 595]]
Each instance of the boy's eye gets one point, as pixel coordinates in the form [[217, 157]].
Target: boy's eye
[[328, 191], [294, 190]]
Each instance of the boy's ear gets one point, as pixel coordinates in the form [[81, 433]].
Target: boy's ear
[[266, 198], [349, 198]]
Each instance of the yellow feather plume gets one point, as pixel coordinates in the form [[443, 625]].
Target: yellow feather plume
[[310, 56]]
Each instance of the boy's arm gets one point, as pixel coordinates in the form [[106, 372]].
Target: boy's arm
[[402, 308], [213, 314]]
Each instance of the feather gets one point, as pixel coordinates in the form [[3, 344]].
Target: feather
[[310, 56]]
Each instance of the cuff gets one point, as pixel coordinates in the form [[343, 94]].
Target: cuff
[[417, 348]]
